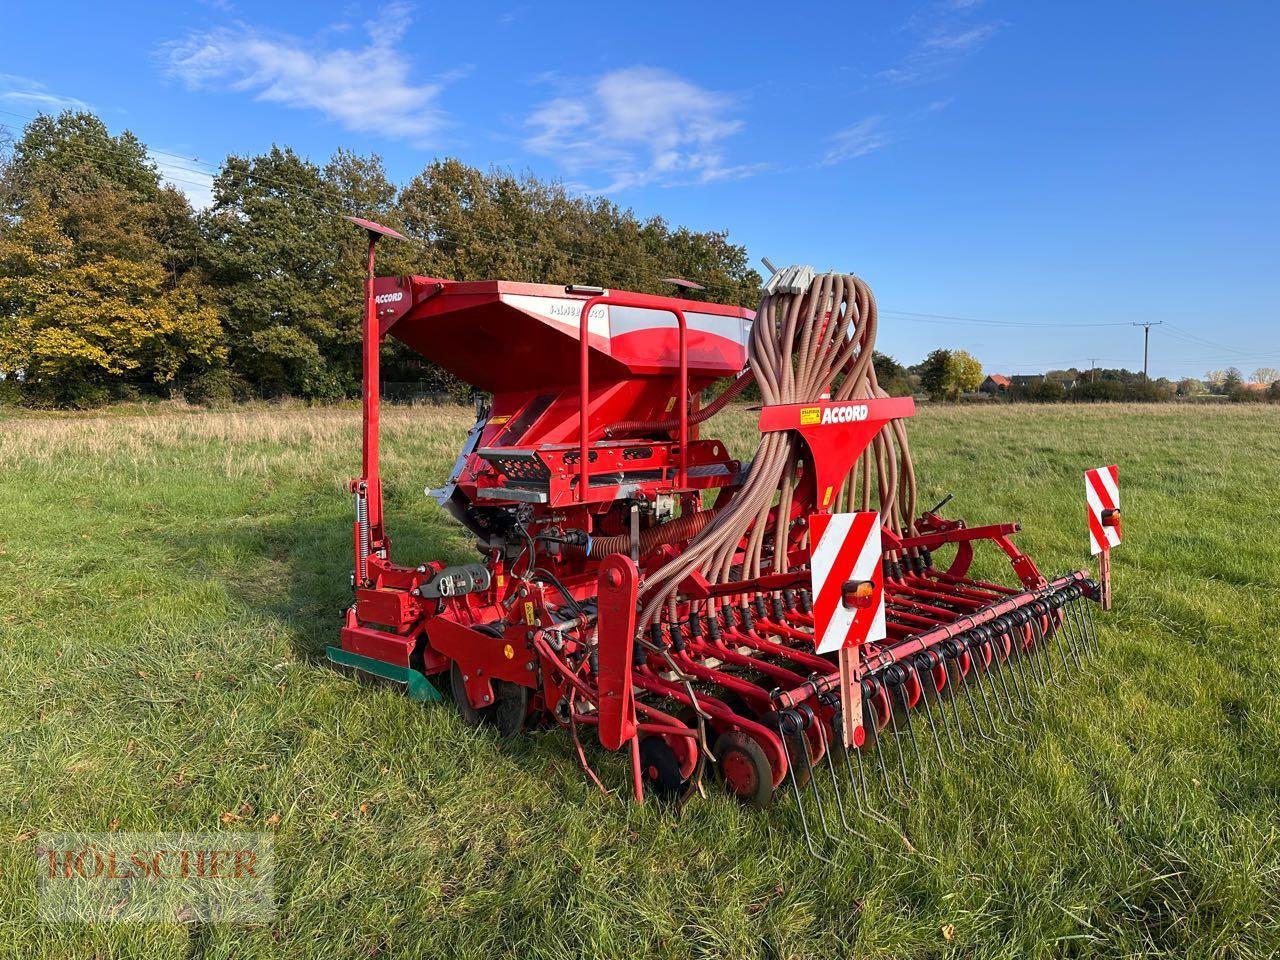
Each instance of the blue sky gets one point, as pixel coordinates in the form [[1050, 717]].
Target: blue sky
[[1023, 180]]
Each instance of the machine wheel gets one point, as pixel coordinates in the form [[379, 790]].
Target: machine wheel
[[507, 713], [743, 768], [660, 769]]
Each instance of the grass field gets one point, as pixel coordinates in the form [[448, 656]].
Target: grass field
[[170, 580]]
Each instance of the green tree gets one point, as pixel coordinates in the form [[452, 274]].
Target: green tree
[[933, 374], [1046, 391], [1191, 387], [476, 225], [891, 375], [288, 268], [945, 374]]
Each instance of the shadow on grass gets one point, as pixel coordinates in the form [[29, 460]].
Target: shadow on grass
[[294, 573]]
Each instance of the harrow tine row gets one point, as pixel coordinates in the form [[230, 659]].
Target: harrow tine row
[[1010, 663]]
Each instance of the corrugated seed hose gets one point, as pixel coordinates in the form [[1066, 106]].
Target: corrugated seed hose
[[812, 334]]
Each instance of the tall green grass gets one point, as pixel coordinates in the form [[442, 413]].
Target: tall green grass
[[170, 580]]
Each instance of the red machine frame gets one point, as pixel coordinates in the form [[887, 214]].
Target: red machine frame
[[564, 484]]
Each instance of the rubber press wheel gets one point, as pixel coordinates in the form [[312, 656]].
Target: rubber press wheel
[[660, 768], [743, 768], [505, 715]]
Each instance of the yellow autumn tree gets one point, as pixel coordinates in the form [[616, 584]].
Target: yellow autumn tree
[[33, 254], [95, 300]]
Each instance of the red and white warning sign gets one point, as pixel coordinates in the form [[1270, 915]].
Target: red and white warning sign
[[847, 579], [1102, 493]]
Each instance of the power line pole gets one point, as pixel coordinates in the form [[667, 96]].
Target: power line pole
[[1093, 368], [1146, 342]]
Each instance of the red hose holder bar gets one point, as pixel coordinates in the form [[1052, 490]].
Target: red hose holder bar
[[836, 432], [639, 300]]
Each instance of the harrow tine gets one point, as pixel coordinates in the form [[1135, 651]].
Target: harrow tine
[[813, 783], [1063, 642], [1036, 652], [977, 672], [1074, 632], [1020, 674], [952, 680], [1077, 632], [884, 770], [942, 707], [835, 780], [1004, 713], [989, 675], [1016, 669], [1092, 617], [1001, 669], [897, 740], [966, 683], [1032, 653], [830, 739], [860, 787], [911, 731], [1041, 639], [829, 742], [804, 820], [933, 727]]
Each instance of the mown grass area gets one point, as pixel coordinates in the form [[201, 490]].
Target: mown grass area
[[170, 580]]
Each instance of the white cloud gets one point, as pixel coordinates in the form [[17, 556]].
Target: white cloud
[[961, 41], [184, 176], [33, 96], [945, 32], [365, 88], [636, 126], [858, 140]]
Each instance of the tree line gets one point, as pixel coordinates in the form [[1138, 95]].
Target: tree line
[[1116, 385], [113, 287]]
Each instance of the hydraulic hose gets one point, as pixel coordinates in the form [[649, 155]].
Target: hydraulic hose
[[675, 531]]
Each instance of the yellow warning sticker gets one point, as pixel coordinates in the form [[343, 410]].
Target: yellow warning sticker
[[493, 421], [502, 581], [670, 403], [810, 415], [509, 652], [530, 614], [826, 497]]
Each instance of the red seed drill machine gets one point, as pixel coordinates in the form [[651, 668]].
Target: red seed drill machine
[[768, 620]]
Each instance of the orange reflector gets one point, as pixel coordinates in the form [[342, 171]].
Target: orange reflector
[[1111, 518], [858, 593]]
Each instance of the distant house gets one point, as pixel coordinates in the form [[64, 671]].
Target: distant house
[[1022, 382], [995, 383]]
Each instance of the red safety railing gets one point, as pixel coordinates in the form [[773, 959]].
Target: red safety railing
[[643, 302]]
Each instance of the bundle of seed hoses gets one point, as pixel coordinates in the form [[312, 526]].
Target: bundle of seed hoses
[[813, 339]]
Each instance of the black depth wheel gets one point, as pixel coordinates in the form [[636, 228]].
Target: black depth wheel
[[507, 713], [743, 768], [660, 769]]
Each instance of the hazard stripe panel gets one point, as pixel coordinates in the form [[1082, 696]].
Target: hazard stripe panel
[[1101, 492], [845, 547]]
